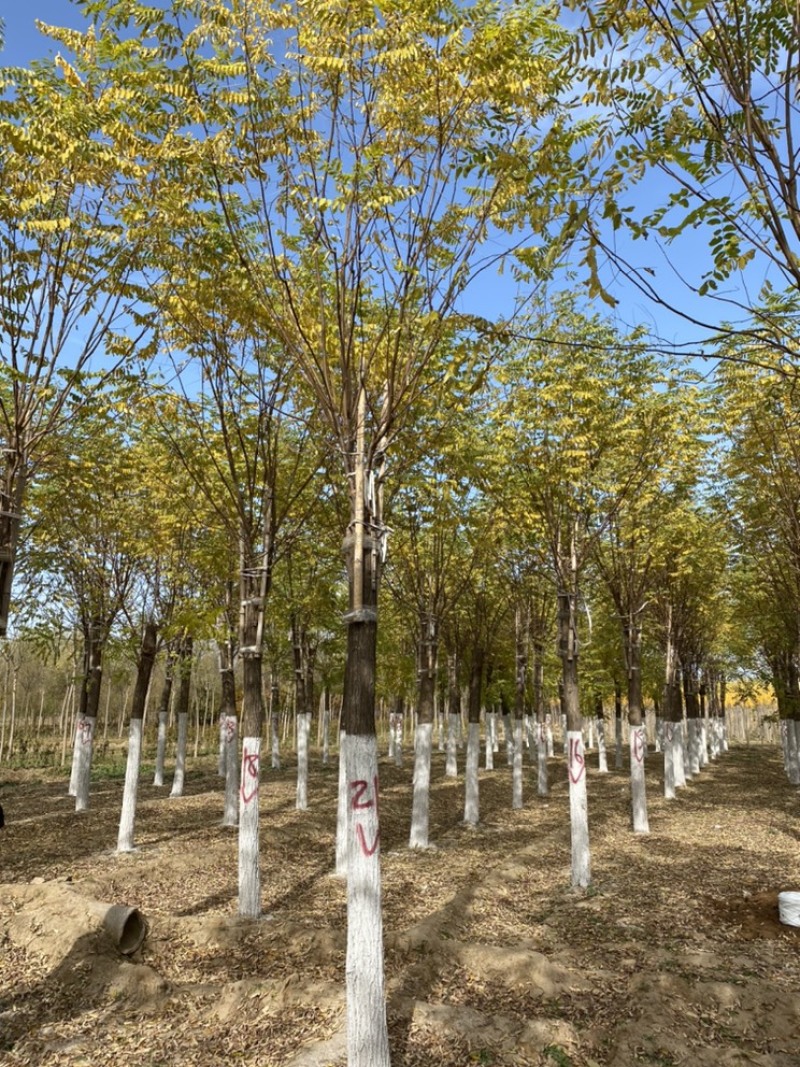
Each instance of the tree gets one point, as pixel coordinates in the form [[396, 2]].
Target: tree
[[576, 430], [705, 94], [67, 292]]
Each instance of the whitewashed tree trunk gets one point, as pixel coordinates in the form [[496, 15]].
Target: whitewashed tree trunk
[[398, 740], [677, 758], [303, 731], [785, 745], [695, 740], [72, 791], [658, 745], [669, 760], [618, 762], [128, 816], [391, 738], [221, 761], [508, 733], [548, 729], [638, 745], [602, 755], [793, 741], [180, 756], [86, 729], [471, 795], [704, 743], [325, 720], [686, 750], [578, 811], [367, 1034], [230, 815], [564, 734], [589, 734], [161, 748], [489, 740], [516, 776], [527, 726], [451, 766], [341, 813], [249, 871], [542, 784], [420, 808]]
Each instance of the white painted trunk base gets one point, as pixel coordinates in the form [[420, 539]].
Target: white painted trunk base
[[161, 748], [221, 759], [326, 748], [341, 814], [516, 776], [677, 756], [508, 733], [180, 756], [638, 746], [451, 766], [618, 762], [668, 744], [303, 730], [471, 793], [72, 791], [398, 741], [548, 729], [590, 734], [367, 1033], [491, 728], [276, 743], [686, 745], [793, 748], [660, 729], [230, 815], [704, 759], [84, 775], [128, 817], [578, 810], [420, 807], [542, 783], [602, 755], [249, 871]]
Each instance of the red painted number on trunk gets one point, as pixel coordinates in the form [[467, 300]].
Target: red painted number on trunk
[[577, 764], [361, 837], [358, 789], [249, 776]]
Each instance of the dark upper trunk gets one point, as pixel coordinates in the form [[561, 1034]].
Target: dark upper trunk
[[144, 669]]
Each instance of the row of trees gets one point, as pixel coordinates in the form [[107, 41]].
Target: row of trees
[[289, 211]]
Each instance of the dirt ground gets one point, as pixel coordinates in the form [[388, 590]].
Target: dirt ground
[[674, 956]]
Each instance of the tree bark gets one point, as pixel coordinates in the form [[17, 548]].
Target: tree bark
[[147, 655]]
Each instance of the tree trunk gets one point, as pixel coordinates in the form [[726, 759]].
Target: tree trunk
[[521, 628], [618, 762], [163, 717], [423, 743], [576, 760], [600, 726], [472, 796], [144, 670], [632, 645], [94, 633], [453, 717], [367, 1033], [230, 739], [184, 669]]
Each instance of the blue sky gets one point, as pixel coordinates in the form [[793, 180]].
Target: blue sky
[[664, 270]]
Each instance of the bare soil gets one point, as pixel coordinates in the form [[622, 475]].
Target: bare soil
[[674, 956]]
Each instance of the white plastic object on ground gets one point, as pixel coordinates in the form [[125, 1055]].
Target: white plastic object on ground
[[789, 908]]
